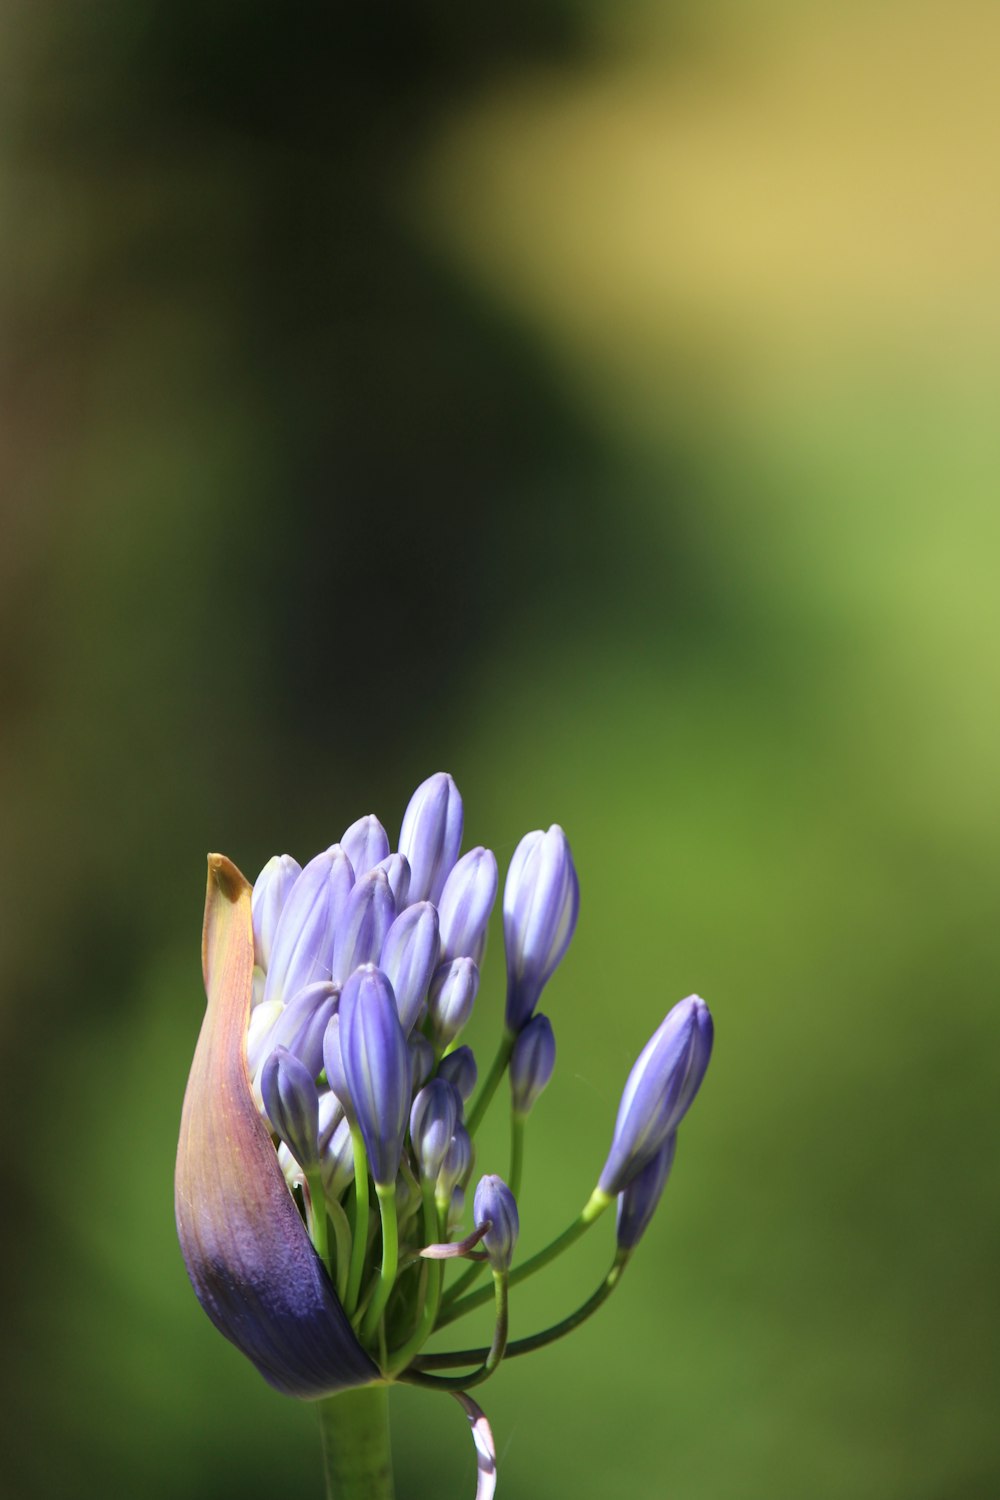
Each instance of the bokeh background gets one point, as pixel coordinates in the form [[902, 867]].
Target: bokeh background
[[599, 403]]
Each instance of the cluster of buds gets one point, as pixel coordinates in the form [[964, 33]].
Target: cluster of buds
[[328, 1138]]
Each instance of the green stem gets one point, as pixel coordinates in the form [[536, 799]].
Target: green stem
[[360, 1219], [342, 1235], [517, 1123], [435, 1274], [458, 1357], [489, 1087], [357, 1460], [317, 1215], [592, 1210], [491, 1356], [390, 1257]]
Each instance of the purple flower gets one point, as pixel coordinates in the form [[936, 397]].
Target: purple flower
[[292, 1105], [540, 903], [531, 1063], [409, 958], [366, 844], [637, 1201], [270, 892], [364, 923], [376, 1064], [659, 1091], [397, 870], [244, 1243], [433, 1118], [303, 1022], [431, 835], [494, 1202], [451, 997], [466, 903], [459, 1068], [302, 950]]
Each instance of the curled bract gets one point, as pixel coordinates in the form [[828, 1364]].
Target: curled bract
[[247, 1252]]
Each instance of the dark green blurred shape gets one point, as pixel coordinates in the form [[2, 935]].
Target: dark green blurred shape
[[295, 513]]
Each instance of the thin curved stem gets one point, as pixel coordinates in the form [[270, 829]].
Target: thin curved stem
[[455, 1358], [360, 1219], [390, 1257]]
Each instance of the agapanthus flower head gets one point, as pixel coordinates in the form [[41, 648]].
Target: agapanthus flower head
[[327, 1144], [541, 901], [659, 1091]]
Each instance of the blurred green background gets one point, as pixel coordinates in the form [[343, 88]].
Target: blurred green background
[[599, 403]]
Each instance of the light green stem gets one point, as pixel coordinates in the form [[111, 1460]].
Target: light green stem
[[357, 1459], [317, 1215], [342, 1235], [455, 1358], [592, 1210], [401, 1357], [473, 1119], [390, 1257], [360, 1245], [517, 1124]]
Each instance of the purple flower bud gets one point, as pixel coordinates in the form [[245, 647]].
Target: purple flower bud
[[302, 950], [433, 1118], [333, 1064], [377, 1068], [331, 1112], [456, 1166], [466, 903], [361, 931], [270, 892], [659, 1091], [303, 1022], [244, 1242], [409, 958], [292, 1105], [637, 1201], [495, 1201], [336, 1160], [366, 844], [451, 997], [421, 1058], [431, 835], [263, 1019], [397, 870], [459, 1068], [531, 1063], [540, 903]]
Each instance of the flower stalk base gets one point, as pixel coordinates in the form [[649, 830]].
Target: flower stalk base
[[357, 1459]]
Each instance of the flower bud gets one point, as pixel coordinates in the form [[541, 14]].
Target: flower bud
[[421, 1058], [303, 1022], [466, 903], [302, 950], [637, 1201], [456, 1166], [459, 1068], [540, 903], [409, 958], [659, 1091], [366, 844], [377, 1068], [431, 835], [367, 917], [531, 1063], [397, 870], [451, 998], [433, 1119], [292, 1105], [337, 1160], [270, 892], [495, 1201], [263, 1019], [333, 1064]]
